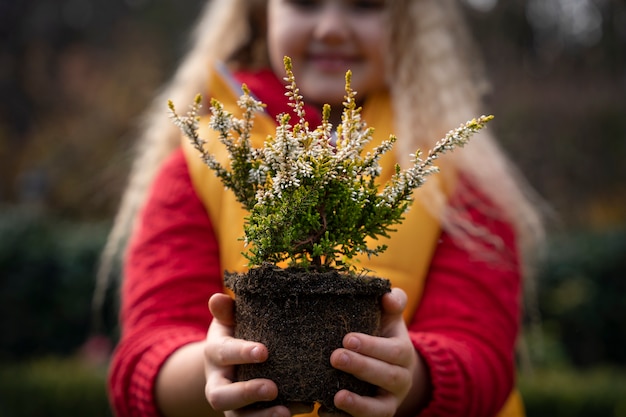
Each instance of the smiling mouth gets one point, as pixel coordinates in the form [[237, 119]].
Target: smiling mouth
[[331, 62]]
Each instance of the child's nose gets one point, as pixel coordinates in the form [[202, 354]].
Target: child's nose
[[333, 23]]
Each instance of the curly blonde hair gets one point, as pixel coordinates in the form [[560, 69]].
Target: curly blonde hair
[[436, 83]]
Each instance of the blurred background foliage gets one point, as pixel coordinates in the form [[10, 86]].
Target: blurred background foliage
[[76, 74]]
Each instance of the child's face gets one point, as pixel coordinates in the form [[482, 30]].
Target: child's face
[[324, 39]]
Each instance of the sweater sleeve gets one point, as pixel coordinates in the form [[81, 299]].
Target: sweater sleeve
[[467, 323], [171, 270]]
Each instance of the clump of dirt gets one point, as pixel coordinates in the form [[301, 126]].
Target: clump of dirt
[[302, 316]]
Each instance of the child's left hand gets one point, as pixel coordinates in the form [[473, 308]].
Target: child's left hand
[[390, 362]]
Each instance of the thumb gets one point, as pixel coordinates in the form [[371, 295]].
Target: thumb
[[222, 307], [394, 302]]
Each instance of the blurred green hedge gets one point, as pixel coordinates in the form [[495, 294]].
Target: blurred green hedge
[[53, 387], [582, 296], [47, 268], [599, 392]]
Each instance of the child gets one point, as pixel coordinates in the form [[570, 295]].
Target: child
[[450, 326]]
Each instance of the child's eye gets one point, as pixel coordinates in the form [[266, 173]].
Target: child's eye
[[368, 4], [354, 4], [304, 3]]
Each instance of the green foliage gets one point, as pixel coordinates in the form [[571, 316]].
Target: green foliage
[[567, 392], [47, 269], [53, 387], [581, 296], [312, 201]]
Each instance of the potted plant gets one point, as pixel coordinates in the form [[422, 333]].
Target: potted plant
[[312, 203]]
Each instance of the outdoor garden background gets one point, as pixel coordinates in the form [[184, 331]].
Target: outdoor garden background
[[75, 74]]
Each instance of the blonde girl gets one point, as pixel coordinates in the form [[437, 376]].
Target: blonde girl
[[447, 344]]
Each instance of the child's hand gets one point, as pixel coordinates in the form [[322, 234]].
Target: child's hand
[[389, 362], [222, 351]]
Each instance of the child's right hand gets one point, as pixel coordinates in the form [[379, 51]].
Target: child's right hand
[[221, 353]]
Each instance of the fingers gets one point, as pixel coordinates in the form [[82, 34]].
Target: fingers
[[224, 395], [230, 351], [222, 351], [387, 362], [356, 405], [387, 368], [391, 350], [237, 396], [392, 374]]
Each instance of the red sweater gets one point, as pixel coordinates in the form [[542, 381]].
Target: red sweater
[[465, 327]]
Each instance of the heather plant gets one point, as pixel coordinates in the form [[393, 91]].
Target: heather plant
[[312, 194]]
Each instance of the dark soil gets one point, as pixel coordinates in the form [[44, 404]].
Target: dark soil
[[302, 317]]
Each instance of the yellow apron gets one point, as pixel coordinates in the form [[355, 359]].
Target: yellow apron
[[405, 263]]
